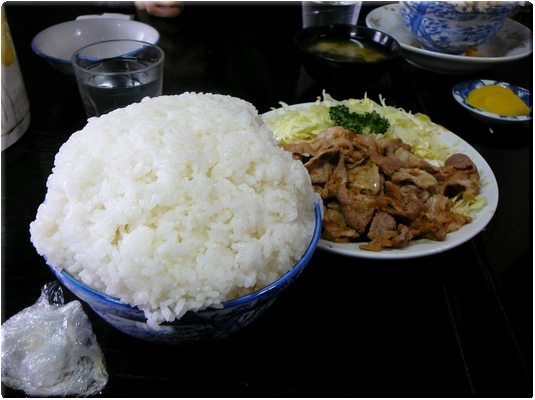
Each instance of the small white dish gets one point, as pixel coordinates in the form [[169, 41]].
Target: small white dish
[[514, 41], [461, 90], [58, 43]]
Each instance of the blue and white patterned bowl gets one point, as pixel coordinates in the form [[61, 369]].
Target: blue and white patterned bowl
[[453, 27], [460, 93], [193, 327]]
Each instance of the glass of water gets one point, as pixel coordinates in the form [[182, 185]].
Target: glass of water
[[115, 73], [330, 12]]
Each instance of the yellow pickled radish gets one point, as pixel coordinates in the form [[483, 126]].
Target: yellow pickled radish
[[498, 100]]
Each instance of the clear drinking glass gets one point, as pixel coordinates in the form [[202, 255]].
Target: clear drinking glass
[[115, 73], [330, 12]]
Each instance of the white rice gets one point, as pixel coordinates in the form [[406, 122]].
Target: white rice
[[176, 203]]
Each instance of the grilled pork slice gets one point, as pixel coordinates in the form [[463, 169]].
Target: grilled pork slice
[[378, 188]]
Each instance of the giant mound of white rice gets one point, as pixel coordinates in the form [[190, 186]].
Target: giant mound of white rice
[[176, 203]]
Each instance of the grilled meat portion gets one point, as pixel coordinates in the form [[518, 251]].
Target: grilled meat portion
[[378, 189]]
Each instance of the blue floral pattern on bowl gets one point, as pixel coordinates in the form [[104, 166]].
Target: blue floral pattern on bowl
[[205, 325], [461, 90], [454, 27]]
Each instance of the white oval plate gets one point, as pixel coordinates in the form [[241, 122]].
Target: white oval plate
[[425, 247], [513, 41]]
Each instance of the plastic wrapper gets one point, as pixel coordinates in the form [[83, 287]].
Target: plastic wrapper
[[49, 349]]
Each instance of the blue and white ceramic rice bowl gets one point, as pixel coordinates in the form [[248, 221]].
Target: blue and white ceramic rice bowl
[[193, 327], [460, 93], [452, 27]]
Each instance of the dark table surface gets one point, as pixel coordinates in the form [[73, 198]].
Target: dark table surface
[[456, 324]]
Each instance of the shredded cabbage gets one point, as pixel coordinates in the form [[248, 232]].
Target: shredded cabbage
[[464, 207], [305, 123], [291, 125]]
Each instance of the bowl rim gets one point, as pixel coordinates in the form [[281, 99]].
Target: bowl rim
[[282, 281], [141, 70], [457, 6], [104, 21], [347, 28], [461, 90]]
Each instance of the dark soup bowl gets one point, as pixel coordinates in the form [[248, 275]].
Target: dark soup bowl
[[348, 55]]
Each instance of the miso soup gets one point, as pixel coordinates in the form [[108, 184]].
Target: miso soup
[[347, 49]]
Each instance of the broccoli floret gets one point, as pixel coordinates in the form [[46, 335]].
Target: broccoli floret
[[341, 116]]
